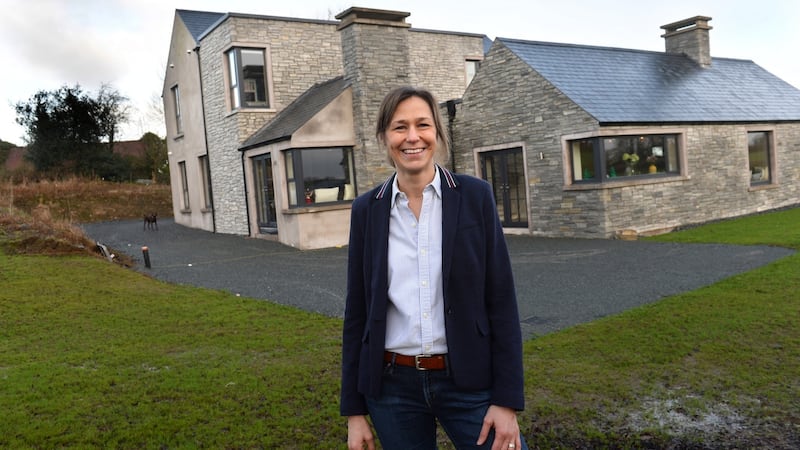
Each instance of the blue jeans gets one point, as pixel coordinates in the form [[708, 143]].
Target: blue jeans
[[413, 400]]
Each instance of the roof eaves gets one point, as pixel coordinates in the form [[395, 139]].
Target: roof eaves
[[213, 27], [297, 113]]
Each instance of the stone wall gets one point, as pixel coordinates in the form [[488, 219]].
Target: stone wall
[[437, 61]]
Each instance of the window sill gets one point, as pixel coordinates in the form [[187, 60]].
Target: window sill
[[762, 187], [186, 211], [178, 137], [233, 112], [618, 183], [317, 208]]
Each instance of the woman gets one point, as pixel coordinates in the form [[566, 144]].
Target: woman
[[431, 328]]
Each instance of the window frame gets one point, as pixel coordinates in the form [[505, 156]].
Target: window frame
[[673, 163], [186, 206], [301, 196], [235, 82], [176, 104], [205, 175], [469, 75], [770, 156]]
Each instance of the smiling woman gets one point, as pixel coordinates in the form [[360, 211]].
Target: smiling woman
[[424, 294]]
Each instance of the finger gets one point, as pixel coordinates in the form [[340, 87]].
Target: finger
[[484, 433]]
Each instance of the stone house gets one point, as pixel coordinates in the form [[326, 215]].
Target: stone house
[[593, 142], [270, 126], [269, 119]]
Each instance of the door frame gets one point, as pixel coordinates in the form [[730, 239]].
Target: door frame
[[270, 227], [508, 146]]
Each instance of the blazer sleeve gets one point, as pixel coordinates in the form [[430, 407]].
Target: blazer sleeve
[[483, 331], [502, 310]]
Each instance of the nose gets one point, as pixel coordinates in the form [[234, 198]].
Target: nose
[[412, 134]]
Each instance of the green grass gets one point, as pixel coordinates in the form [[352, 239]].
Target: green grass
[[95, 355], [661, 374]]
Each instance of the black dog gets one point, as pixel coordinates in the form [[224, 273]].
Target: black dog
[[150, 222]]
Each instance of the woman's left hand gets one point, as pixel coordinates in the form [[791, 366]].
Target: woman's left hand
[[506, 428]]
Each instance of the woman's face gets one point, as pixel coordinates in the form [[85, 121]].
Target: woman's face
[[411, 137]]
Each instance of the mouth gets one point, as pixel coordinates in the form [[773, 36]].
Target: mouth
[[413, 151]]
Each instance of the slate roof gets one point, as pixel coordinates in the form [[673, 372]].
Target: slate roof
[[634, 86], [297, 113], [197, 22]]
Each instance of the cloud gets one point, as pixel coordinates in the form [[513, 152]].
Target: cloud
[[57, 42]]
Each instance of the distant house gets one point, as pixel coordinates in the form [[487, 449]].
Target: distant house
[[270, 125], [597, 142], [17, 161], [130, 149]]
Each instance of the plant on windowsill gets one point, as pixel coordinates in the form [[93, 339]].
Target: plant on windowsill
[[630, 162], [652, 160]]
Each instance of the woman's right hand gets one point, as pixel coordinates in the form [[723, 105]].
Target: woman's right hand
[[359, 433]]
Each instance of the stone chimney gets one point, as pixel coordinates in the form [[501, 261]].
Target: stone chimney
[[376, 59], [689, 37]]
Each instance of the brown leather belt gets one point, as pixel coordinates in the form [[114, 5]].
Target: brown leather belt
[[419, 362]]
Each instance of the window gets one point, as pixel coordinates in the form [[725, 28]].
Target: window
[[608, 158], [184, 185], [320, 175], [758, 152], [176, 103], [205, 175], [247, 78], [471, 66]]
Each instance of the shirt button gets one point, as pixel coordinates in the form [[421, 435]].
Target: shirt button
[[424, 284]]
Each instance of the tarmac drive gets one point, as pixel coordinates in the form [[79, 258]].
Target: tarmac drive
[[559, 282]]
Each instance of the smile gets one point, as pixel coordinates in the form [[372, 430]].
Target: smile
[[412, 151]]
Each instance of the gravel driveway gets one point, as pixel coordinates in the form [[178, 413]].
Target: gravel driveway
[[560, 282]]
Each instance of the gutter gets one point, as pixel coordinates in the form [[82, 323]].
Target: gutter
[[205, 139]]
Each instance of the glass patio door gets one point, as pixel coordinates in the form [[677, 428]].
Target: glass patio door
[[265, 194], [505, 171]]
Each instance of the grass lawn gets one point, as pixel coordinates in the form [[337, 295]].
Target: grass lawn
[[95, 355], [713, 368]]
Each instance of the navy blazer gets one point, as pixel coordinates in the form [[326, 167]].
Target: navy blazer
[[481, 318]]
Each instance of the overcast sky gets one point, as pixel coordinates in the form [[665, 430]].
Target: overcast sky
[[46, 44]]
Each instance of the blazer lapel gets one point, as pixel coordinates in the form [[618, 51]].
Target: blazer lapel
[[379, 240], [451, 204]]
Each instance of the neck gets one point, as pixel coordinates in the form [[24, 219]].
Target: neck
[[412, 184]]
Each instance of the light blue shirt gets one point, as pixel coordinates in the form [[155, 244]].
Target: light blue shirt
[[415, 315]]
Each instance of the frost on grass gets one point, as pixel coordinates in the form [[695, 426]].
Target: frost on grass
[[686, 415]]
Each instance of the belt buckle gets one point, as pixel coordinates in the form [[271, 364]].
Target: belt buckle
[[417, 360]]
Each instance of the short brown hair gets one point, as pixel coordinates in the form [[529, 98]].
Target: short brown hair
[[389, 106]]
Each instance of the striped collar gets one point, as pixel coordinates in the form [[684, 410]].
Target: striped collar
[[387, 185]]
